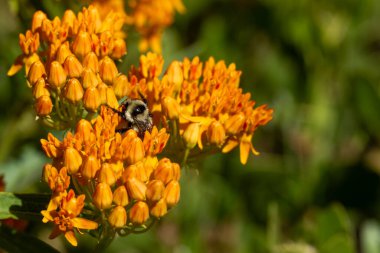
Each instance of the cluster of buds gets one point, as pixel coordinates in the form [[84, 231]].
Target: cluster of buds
[[150, 18], [69, 64], [123, 186], [202, 104]]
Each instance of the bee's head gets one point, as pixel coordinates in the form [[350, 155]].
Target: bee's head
[[135, 110]]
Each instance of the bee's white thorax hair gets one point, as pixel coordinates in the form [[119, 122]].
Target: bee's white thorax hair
[[137, 114]]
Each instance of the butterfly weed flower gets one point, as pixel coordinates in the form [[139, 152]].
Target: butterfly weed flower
[[70, 64], [201, 104], [108, 182]]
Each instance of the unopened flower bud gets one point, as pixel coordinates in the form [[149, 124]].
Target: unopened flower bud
[[120, 196], [111, 99], [172, 193], [159, 209], [40, 89], [102, 88], [74, 90], [170, 108], [129, 172], [106, 174], [216, 133], [38, 17], [90, 167], [89, 78], [91, 99], [36, 71], [155, 190], [119, 49], [62, 53], [118, 217], [69, 19], [121, 86], [84, 128], [43, 105], [135, 151], [72, 66], [91, 61], [82, 44], [107, 70], [164, 171], [136, 189], [102, 196], [191, 135], [139, 213], [176, 171], [72, 160], [175, 74], [57, 75]]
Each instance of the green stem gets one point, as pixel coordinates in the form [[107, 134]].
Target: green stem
[[107, 236], [185, 156]]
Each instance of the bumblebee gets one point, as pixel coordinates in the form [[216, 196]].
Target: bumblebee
[[136, 113]]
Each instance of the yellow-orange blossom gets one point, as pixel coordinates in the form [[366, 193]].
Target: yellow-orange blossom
[[201, 102], [117, 175]]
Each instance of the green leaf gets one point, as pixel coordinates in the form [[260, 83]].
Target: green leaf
[[20, 243], [7, 201], [24, 206]]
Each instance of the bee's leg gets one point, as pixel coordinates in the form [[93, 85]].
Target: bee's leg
[[122, 130]]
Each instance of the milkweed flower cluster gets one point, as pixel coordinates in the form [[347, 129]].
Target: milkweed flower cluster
[[69, 63], [104, 180], [202, 104], [120, 184]]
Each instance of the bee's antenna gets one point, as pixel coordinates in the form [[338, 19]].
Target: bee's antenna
[[143, 98], [114, 110]]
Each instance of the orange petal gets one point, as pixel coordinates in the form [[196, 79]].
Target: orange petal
[[230, 145], [244, 151], [16, 66], [82, 223], [47, 216], [201, 131], [195, 119], [70, 236]]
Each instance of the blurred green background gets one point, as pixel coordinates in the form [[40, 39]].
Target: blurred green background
[[314, 188]]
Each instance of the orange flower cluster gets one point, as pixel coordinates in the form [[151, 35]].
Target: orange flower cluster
[[150, 18], [119, 177], [202, 103], [69, 63]]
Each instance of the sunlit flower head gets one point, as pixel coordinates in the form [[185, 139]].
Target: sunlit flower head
[[66, 220], [70, 63], [201, 103], [118, 177]]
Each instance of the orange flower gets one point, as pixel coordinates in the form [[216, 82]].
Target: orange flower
[[71, 55], [202, 103], [66, 220], [120, 173]]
